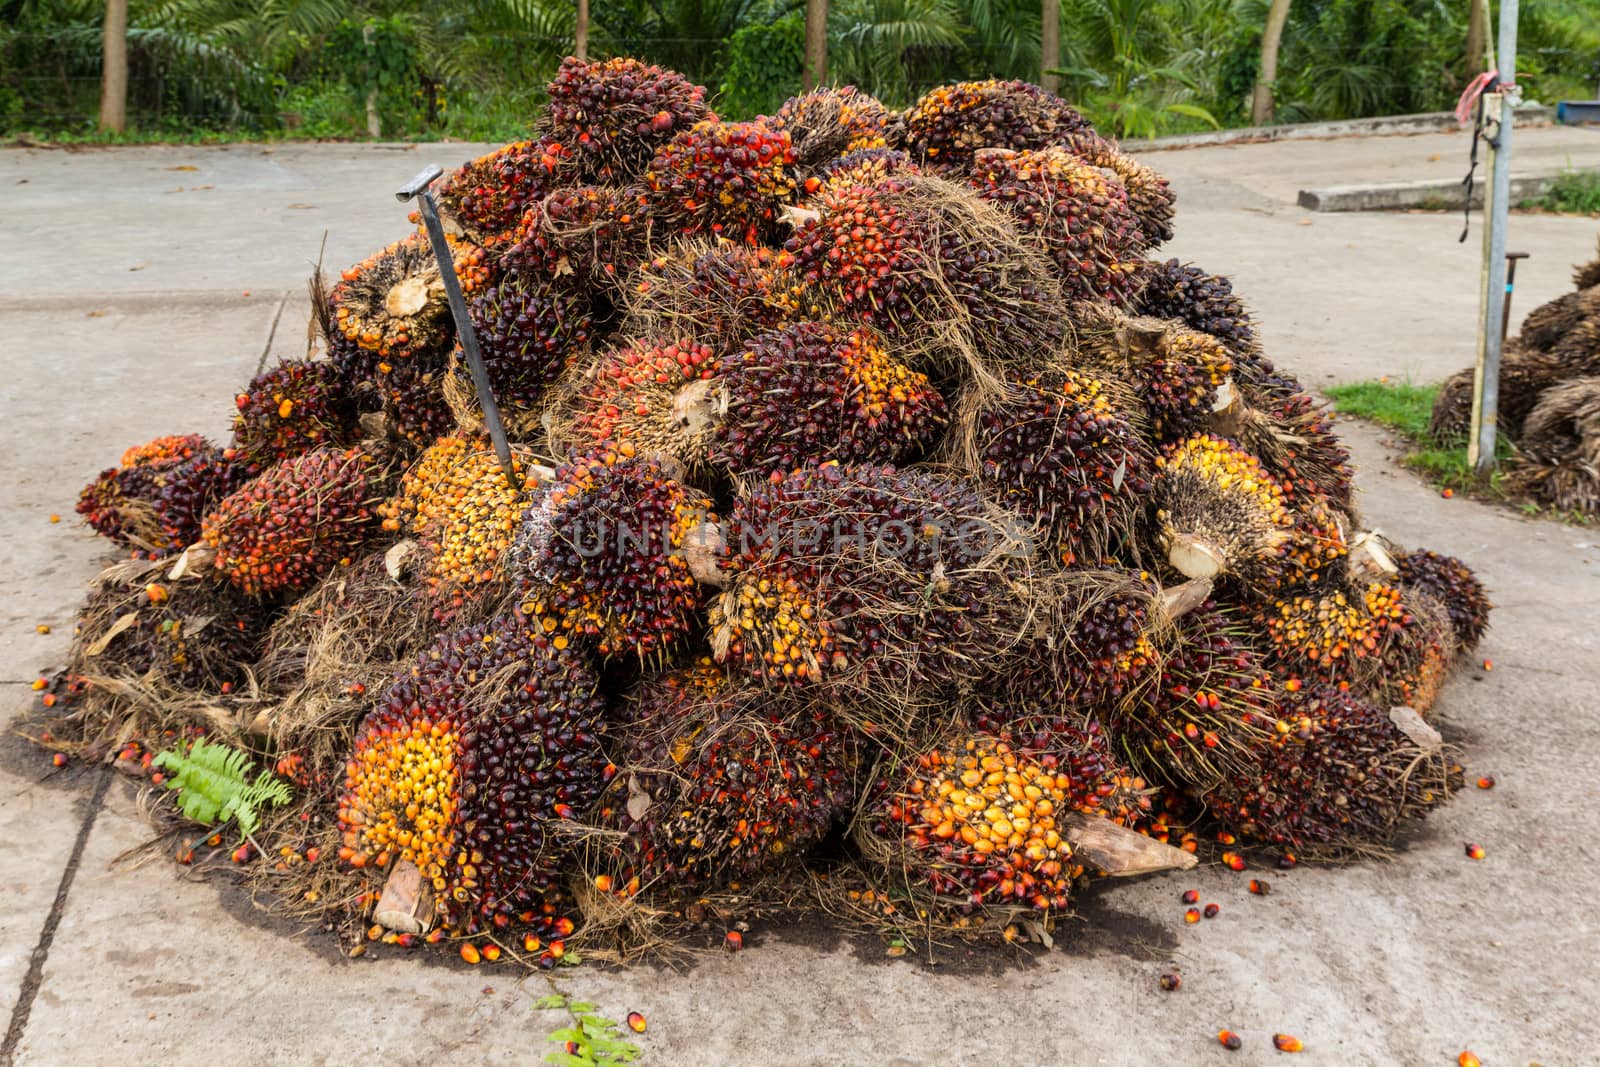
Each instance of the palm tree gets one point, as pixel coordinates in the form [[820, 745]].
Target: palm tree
[[114, 68]]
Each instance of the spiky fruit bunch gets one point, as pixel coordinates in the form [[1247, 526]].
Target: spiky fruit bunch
[[466, 760], [866, 579], [529, 327], [155, 498], [810, 391], [980, 823], [723, 178], [456, 502], [201, 636], [1339, 635], [614, 113], [1205, 302], [1060, 739], [488, 195], [864, 166], [739, 784], [289, 410], [286, 529], [411, 396], [1294, 439], [1217, 511], [1058, 449], [1149, 193], [933, 265], [631, 402], [951, 124], [1341, 777], [593, 234], [1077, 211], [392, 303], [829, 123], [722, 294], [1206, 702], [605, 552], [1180, 381], [1453, 584]]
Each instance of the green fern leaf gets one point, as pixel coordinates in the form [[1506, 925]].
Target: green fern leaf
[[214, 786]]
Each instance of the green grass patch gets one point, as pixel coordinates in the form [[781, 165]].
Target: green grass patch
[[1399, 406], [1574, 192]]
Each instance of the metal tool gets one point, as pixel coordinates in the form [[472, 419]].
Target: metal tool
[[420, 190], [1511, 281]]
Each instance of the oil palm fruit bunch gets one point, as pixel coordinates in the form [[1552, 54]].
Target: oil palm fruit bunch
[[613, 114], [633, 398], [868, 580], [932, 266], [719, 292], [1217, 511], [1149, 193], [735, 784], [464, 763], [978, 822], [725, 179], [951, 124], [1078, 212], [289, 410], [1058, 448], [1205, 700], [154, 499], [1060, 738], [457, 503], [529, 327], [281, 532], [1293, 437], [810, 391], [487, 196], [1183, 382], [392, 304], [1340, 633], [1452, 583], [592, 234], [1204, 302], [1338, 778], [864, 166], [828, 123], [604, 553]]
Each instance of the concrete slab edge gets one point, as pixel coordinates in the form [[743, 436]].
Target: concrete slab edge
[[1425, 193], [1387, 125]]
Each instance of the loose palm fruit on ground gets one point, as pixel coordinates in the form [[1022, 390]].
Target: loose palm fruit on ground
[[631, 399], [867, 578], [487, 196], [1338, 776], [1077, 212], [977, 822], [1057, 448], [932, 265], [1455, 586], [289, 410], [810, 391], [721, 178], [613, 114], [952, 123], [283, 531], [739, 784], [456, 502], [1204, 302], [603, 551], [465, 760], [828, 123], [722, 294]]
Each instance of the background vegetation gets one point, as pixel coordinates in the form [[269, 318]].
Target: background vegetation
[[475, 69]]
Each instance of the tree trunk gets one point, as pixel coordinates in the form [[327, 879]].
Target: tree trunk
[[1476, 20], [580, 38], [816, 62], [1050, 45], [1271, 38], [114, 68]]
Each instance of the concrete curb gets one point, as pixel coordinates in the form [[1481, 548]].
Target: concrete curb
[[1425, 193], [1388, 125]]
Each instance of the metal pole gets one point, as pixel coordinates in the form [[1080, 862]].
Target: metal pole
[[419, 188], [1498, 106]]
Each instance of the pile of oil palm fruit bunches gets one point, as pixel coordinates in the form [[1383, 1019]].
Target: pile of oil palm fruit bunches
[[883, 510]]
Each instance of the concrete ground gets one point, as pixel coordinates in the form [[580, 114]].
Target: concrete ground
[[141, 287]]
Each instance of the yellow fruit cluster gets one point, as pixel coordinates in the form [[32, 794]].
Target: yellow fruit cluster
[[400, 797], [1335, 628], [1224, 469], [776, 630]]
